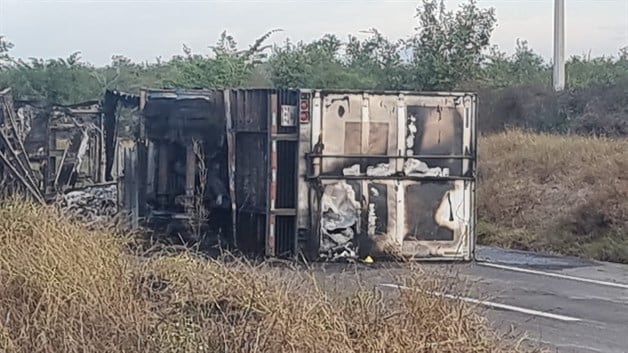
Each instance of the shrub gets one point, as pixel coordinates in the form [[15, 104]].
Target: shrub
[[567, 194], [66, 289]]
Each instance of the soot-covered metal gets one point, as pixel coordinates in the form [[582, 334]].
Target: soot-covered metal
[[413, 156], [51, 148], [174, 179], [327, 174]]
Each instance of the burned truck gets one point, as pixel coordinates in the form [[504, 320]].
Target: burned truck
[[325, 174]]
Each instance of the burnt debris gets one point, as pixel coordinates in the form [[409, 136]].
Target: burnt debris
[[93, 205], [340, 222], [48, 149]]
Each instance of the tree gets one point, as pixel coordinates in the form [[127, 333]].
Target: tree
[[227, 67], [316, 64], [447, 48], [586, 71], [372, 63], [5, 59], [377, 59], [522, 68], [63, 80], [125, 75]]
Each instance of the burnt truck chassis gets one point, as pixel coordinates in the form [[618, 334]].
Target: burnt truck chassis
[[319, 173], [54, 148]]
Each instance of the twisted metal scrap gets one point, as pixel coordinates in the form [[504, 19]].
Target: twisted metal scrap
[[92, 205]]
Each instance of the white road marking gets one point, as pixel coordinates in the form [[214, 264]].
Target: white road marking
[[493, 305], [555, 275]]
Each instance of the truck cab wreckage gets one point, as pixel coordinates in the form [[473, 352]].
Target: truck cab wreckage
[[324, 174]]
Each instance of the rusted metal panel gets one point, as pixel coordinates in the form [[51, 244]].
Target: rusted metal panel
[[163, 173], [112, 102], [190, 176], [126, 175]]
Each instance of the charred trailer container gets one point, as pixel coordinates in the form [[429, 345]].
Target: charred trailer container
[[343, 173], [322, 173]]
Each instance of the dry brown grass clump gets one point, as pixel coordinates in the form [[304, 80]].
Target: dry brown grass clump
[[66, 289], [567, 194]]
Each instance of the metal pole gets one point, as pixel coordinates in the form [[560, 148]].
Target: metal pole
[[559, 45]]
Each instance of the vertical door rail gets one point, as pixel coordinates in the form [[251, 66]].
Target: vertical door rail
[[272, 190]]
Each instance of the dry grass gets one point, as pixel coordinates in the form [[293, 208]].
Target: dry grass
[[566, 194], [66, 289]]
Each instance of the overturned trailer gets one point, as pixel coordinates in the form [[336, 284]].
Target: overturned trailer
[[322, 173]]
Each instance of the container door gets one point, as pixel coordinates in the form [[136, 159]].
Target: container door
[[437, 218], [397, 175]]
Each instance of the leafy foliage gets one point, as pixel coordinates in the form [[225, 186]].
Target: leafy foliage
[[585, 71], [125, 75], [5, 47], [227, 67], [447, 48], [445, 51], [378, 59], [59, 80], [524, 67], [317, 64]]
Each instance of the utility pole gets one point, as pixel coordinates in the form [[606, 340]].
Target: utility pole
[[559, 45]]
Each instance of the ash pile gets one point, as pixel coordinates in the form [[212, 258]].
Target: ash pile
[[94, 205]]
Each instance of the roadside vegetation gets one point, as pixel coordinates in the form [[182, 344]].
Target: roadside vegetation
[[570, 162], [556, 193], [64, 288], [552, 178]]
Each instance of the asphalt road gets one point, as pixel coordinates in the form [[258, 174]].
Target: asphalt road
[[566, 304], [589, 298]]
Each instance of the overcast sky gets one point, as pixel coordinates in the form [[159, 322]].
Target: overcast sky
[[146, 29]]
